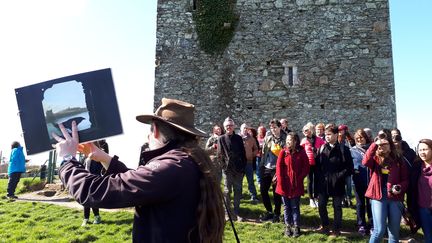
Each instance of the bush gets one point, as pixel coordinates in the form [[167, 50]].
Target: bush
[[30, 185]]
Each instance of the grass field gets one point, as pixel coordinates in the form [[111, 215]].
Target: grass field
[[39, 222]]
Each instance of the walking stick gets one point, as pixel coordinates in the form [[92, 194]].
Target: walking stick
[[232, 223]]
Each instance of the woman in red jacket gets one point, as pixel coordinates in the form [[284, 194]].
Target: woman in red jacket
[[387, 186], [311, 143], [291, 168]]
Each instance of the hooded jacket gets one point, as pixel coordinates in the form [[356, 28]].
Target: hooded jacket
[[16, 161]]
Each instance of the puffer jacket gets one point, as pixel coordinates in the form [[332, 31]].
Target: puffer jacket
[[17, 161], [312, 151]]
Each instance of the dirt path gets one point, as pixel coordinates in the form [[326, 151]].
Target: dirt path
[[55, 195]]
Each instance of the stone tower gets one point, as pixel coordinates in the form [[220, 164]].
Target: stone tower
[[304, 60]]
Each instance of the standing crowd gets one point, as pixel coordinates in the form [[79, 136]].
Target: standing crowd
[[175, 173], [380, 169]]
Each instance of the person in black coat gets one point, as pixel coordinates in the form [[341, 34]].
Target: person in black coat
[[333, 165], [94, 168]]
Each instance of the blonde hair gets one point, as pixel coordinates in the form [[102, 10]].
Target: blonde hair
[[310, 126]]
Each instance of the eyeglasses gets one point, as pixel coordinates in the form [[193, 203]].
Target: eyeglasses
[[229, 125]]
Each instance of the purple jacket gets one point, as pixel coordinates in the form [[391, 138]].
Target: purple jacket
[[165, 192]]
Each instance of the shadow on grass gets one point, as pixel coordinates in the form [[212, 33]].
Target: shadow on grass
[[119, 221]]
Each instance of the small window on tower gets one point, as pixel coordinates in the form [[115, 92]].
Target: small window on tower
[[290, 77]]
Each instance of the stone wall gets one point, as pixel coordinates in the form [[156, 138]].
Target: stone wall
[[304, 60]]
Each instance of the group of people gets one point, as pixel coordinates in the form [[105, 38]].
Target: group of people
[[176, 187], [382, 168]]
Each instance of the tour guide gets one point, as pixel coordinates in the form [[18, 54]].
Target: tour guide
[[175, 195]]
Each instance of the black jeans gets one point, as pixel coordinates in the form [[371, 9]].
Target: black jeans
[[363, 205], [14, 178], [87, 212], [311, 181], [266, 181], [337, 207]]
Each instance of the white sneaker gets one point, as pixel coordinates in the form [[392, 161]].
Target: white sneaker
[[84, 223], [97, 220], [312, 203]]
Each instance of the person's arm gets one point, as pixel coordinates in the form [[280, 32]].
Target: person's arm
[[150, 184], [305, 166], [279, 165], [221, 152], [404, 183], [368, 159], [349, 164]]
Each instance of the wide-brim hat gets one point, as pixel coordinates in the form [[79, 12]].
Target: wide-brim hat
[[176, 113]]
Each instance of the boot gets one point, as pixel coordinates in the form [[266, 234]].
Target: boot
[[296, 232], [288, 231]]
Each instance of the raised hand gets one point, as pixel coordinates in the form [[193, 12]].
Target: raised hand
[[66, 145]]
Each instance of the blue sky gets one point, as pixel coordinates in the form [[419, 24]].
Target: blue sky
[[411, 37], [47, 39]]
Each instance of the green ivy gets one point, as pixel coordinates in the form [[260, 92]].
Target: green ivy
[[210, 18]]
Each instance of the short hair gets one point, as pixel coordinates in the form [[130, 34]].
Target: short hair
[[15, 144], [369, 132], [228, 120], [426, 141], [320, 125], [331, 127], [310, 126], [362, 132], [276, 122]]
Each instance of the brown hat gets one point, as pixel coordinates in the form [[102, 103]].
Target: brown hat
[[176, 113]]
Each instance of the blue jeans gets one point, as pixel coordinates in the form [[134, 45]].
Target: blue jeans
[[381, 211], [426, 221], [291, 211], [258, 170], [250, 179]]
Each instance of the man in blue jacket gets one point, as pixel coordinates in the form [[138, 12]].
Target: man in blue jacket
[[16, 167]]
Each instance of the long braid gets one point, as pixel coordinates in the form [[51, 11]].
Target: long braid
[[210, 210]]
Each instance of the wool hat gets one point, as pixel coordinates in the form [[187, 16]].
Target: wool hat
[[342, 127], [176, 113]]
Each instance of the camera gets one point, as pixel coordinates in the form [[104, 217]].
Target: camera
[[396, 188]]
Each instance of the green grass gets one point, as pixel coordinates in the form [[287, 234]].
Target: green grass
[[39, 222]]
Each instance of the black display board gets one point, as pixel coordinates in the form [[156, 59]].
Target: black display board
[[88, 98]]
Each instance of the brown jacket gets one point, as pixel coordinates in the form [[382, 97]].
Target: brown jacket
[[251, 148], [165, 192]]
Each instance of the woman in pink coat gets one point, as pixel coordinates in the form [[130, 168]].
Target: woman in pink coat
[[311, 143], [292, 167]]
